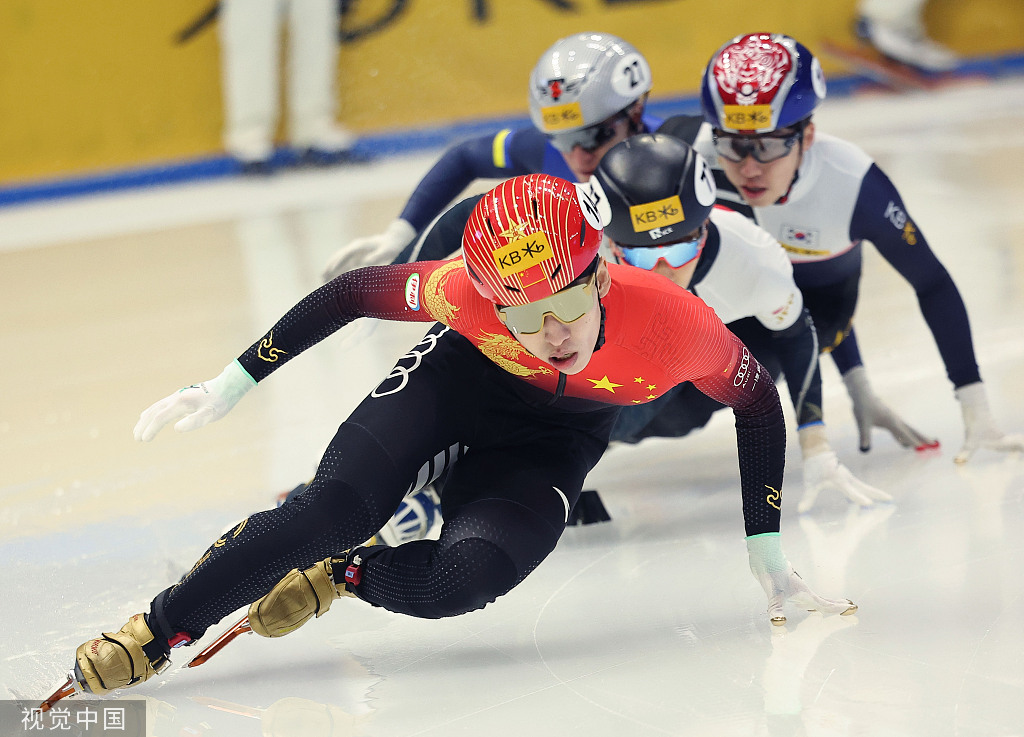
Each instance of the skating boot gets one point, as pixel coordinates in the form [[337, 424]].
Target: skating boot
[[413, 519], [303, 594], [121, 659], [589, 510]]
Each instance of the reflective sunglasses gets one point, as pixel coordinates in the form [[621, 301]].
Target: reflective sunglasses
[[567, 305], [675, 254], [590, 138], [764, 149]]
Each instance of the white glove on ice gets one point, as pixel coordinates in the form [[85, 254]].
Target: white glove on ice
[[781, 583], [822, 470], [870, 411], [980, 430], [372, 250], [196, 405]]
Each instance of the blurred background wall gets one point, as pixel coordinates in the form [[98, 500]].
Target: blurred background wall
[[94, 85]]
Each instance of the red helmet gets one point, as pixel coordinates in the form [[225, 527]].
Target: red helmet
[[529, 237]]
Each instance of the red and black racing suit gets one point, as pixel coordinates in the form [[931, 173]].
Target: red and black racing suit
[[523, 436]]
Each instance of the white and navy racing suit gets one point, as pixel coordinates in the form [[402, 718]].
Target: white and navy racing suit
[[840, 199]]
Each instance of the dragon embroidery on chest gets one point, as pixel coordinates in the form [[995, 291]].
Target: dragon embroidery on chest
[[506, 352]]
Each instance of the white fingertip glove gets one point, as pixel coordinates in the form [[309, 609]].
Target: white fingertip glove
[[781, 583], [196, 405], [870, 411], [372, 250], [822, 470], [980, 430]]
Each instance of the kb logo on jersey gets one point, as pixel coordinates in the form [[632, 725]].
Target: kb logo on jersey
[[522, 253], [901, 221]]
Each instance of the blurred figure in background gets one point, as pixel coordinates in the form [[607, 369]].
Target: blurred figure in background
[[250, 37], [895, 28], [587, 92]]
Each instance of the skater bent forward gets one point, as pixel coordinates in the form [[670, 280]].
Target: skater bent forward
[[513, 391]]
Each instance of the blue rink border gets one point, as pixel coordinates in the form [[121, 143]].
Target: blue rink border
[[382, 145]]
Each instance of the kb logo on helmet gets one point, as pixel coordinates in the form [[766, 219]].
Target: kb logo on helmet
[[657, 214], [562, 117], [522, 253], [747, 117]]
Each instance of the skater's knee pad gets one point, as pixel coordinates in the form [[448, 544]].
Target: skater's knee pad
[[524, 532], [425, 579], [295, 599], [470, 574]]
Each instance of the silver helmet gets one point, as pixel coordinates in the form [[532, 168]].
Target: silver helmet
[[585, 79]]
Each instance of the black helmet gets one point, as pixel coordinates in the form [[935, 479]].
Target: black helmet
[[652, 189]]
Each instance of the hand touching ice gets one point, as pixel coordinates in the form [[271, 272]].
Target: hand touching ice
[[871, 412], [823, 471], [782, 584], [980, 429]]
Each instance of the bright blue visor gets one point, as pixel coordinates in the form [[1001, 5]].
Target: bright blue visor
[[674, 254]]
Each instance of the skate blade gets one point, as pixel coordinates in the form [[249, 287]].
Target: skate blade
[[240, 628], [227, 706], [70, 687]]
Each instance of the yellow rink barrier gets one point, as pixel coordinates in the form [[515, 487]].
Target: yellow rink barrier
[[96, 85]]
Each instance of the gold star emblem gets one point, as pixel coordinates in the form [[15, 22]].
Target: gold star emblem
[[515, 230], [651, 387], [638, 380], [604, 383]]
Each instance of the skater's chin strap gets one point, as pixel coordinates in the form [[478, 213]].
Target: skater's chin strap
[[796, 174]]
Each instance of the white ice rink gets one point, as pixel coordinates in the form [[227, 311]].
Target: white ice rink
[[649, 625]]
